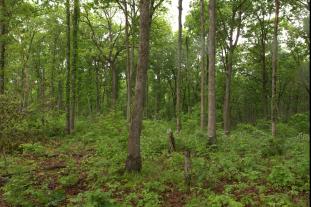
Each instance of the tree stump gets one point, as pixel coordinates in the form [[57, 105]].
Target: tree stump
[[187, 170], [171, 141]]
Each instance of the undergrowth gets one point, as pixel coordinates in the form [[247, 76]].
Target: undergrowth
[[247, 168]]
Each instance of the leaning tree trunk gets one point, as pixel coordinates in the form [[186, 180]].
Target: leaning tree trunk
[[178, 104], [274, 69], [133, 162], [203, 73], [211, 72], [68, 102], [2, 44], [76, 12]]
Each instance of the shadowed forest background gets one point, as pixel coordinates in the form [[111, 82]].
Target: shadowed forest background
[[103, 103]]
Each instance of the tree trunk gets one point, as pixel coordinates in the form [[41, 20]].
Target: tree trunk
[[171, 141], [75, 28], [211, 72], [53, 65], [97, 87], [274, 69], [2, 44], [203, 73], [133, 162], [68, 102], [178, 104], [226, 109], [264, 80], [187, 77], [60, 95], [158, 91], [128, 64], [114, 85], [187, 170]]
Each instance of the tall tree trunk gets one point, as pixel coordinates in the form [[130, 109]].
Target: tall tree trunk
[[68, 69], [75, 28], [226, 109], [97, 87], [203, 72], [2, 44], [133, 162], [132, 63], [264, 81], [211, 72], [60, 95], [274, 69], [179, 59], [128, 64], [114, 85], [53, 65], [25, 85], [188, 77], [158, 91]]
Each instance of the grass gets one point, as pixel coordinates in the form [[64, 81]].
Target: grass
[[248, 168]]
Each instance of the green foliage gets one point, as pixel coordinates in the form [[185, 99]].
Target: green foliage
[[281, 176], [273, 146], [244, 169], [69, 180], [95, 198], [11, 118], [35, 149], [21, 191], [300, 122], [222, 200]]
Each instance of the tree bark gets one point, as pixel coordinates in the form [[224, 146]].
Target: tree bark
[[133, 162], [188, 77], [226, 109], [128, 64], [75, 28], [53, 65], [2, 44], [60, 95], [114, 85], [203, 70], [187, 170], [97, 87], [211, 72], [68, 51], [178, 104], [274, 69], [264, 81]]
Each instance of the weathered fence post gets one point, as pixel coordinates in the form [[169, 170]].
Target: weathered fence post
[[187, 169], [171, 141]]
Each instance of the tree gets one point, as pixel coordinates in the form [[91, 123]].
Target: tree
[[2, 43], [68, 49], [75, 29], [229, 45], [179, 59], [274, 69], [203, 73], [133, 162], [211, 72]]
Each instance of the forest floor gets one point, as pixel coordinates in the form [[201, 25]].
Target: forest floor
[[248, 168]]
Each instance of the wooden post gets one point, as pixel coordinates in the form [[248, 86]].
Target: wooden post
[[171, 141], [187, 169]]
